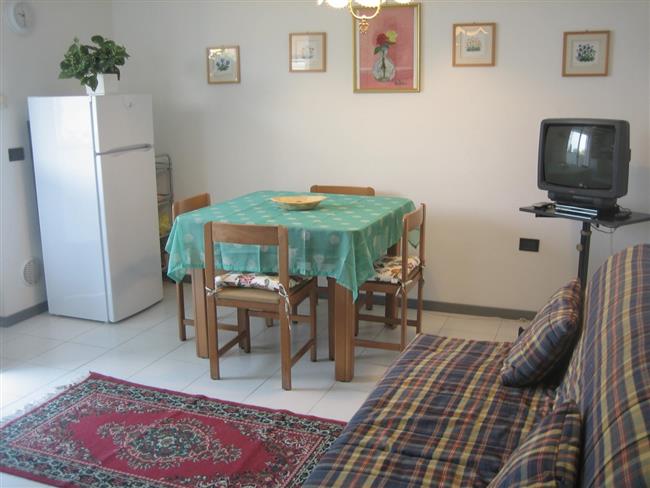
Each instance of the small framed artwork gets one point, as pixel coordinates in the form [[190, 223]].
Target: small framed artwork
[[585, 53], [223, 64], [308, 52], [474, 44], [387, 56]]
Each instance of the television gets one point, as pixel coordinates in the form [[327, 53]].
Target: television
[[584, 162]]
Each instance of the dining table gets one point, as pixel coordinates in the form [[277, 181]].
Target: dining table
[[339, 239]]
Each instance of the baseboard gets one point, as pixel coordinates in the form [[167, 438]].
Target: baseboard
[[459, 308], [23, 314]]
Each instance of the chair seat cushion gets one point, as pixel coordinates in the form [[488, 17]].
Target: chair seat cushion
[[259, 281], [388, 269]]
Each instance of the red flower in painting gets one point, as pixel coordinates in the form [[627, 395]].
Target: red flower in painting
[[382, 39]]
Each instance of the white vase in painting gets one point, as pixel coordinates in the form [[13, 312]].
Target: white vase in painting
[[106, 83], [383, 69]]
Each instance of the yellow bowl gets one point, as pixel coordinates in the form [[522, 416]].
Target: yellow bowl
[[298, 202]]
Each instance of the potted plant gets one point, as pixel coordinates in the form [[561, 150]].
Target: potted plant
[[89, 63]]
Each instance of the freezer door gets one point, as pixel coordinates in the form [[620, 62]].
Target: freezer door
[[68, 212], [121, 121], [128, 203]]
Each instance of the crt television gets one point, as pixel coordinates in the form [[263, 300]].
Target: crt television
[[584, 162]]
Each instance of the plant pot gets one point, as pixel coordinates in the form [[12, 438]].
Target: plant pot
[[106, 83]]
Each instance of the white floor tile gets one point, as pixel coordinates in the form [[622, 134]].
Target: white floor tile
[[55, 327], [168, 374], [339, 404], [107, 335], [25, 347], [68, 356], [9, 481], [23, 379]]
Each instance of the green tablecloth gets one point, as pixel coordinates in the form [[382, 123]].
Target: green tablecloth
[[341, 238]]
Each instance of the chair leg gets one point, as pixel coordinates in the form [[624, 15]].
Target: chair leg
[[285, 348], [213, 339], [244, 326], [390, 308], [418, 327], [369, 301], [180, 305], [404, 302], [330, 316], [312, 318]]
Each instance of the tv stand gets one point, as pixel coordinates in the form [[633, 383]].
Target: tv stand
[[611, 221]]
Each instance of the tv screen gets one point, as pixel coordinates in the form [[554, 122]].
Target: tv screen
[[584, 161], [579, 156]]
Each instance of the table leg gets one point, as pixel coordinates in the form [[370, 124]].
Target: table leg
[[583, 248], [200, 316], [343, 333]]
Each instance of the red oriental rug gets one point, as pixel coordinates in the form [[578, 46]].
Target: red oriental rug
[[108, 432]]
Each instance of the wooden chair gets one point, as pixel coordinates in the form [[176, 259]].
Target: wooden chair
[[278, 302], [178, 208], [397, 277], [365, 191]]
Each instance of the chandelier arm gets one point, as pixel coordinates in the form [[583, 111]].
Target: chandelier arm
[[363, 17]]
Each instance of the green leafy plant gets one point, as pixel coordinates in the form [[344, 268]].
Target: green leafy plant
[[84, 62]]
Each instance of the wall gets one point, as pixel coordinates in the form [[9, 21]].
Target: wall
[[30, 67], [466, 145]]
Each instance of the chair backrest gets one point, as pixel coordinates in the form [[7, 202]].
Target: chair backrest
[[192, 203], [262, 235], [344, 190], [412, 221]]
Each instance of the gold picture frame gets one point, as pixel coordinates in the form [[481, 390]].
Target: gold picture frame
[[400, 27], [585, 53], [223, 64], [308, 52], [474, 45]]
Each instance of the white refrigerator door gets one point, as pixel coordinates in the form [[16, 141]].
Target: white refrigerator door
[[128, 202], [66, 193]]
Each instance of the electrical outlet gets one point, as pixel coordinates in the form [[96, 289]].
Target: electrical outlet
[[531, 245], [16, 154]]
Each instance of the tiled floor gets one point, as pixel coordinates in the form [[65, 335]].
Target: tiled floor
[[46, 352]]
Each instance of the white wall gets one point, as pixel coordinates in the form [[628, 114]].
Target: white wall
[[466, 145], [29, 66]]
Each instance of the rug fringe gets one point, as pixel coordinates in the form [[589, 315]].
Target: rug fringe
[[44, 398]]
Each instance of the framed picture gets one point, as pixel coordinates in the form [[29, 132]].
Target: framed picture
[[307, 52], [474, 44], [223, 64], [585, 53], [387, 56]]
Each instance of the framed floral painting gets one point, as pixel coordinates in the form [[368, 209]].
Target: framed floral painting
[[387, 56], [474, 44], [585, 53], [308, 52], [223, 64]]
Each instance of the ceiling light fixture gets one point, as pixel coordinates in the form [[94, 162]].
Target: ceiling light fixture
[[359, 4]]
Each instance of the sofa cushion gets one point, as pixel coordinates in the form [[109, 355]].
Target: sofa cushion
[[547, 341], [609, 373], [548, 456], [439, 417]]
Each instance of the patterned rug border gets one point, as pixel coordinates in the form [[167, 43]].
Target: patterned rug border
[[93, 376]]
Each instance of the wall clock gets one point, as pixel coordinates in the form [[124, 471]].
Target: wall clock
[[19, 16]]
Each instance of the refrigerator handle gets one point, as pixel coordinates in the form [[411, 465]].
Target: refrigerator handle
[[118, 150]]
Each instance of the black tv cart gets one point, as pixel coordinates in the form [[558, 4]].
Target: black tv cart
[[611, 222]]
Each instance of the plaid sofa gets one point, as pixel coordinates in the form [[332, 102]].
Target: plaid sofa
[[441, 417]]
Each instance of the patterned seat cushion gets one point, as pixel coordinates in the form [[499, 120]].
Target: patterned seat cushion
[[547, 341], [388, 269], [548, 456], [439, 417], [258, 281]]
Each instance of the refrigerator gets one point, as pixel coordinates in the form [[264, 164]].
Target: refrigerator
[[95, 179]]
